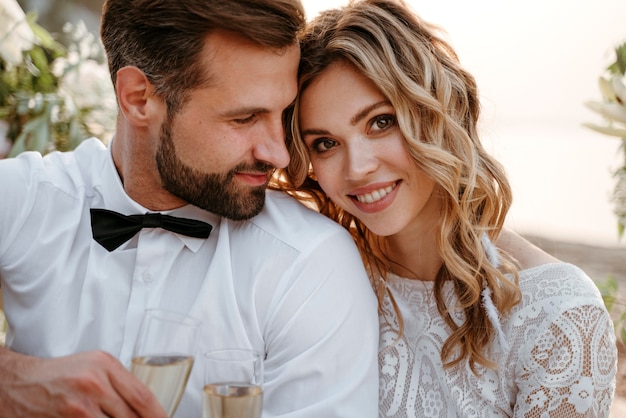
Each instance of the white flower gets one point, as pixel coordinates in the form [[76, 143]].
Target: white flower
[[88, 87], [612, 108], [88, 84], [84, 43], [15, 33]]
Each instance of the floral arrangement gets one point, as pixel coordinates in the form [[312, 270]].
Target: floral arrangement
[[52, 96], [613, 109]]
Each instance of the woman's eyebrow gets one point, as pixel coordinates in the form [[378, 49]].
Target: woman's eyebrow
[[366, 111], [315, 132]]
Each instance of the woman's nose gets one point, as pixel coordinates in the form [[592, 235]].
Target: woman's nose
[[361, 159]]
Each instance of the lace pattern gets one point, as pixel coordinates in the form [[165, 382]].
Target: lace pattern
[[561, 360]]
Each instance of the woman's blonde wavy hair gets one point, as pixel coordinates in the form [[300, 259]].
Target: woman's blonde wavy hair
[[437, 107]]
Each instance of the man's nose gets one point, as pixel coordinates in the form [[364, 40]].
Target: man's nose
[[271, 148]]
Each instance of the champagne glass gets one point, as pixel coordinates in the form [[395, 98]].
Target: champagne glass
[[163, 354], [232, 384]]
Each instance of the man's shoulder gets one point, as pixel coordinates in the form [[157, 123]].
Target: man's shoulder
[[287, 210], [88, 153], [290, 221], [59, 168]]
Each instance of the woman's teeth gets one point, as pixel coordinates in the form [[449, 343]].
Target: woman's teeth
[[375, 195]]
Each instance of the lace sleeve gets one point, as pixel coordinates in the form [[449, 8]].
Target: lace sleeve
[[567, 367]]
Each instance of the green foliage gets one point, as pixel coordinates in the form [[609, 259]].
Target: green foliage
[[28, 94], [619, 66], [609, 289], [58, 95], [612, 109]]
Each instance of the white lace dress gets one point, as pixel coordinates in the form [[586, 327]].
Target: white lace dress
[[561, 360]]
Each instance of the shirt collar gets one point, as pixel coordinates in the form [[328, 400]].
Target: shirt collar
[[115, 198]]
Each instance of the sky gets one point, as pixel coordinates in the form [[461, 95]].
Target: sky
[[536, 62]]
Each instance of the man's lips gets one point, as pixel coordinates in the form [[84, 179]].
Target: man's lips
[[253, 178]]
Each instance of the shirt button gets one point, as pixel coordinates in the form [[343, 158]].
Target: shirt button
[[147, 277]]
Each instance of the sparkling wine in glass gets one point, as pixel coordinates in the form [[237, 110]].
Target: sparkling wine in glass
[[164, 354], [233, 384]]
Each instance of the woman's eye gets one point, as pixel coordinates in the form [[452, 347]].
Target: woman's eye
[[382, 122], [323, 144]]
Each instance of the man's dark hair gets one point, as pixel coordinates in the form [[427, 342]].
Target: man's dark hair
[[163, 38]]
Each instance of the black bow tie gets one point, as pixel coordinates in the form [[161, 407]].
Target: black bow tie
[[111, 229]]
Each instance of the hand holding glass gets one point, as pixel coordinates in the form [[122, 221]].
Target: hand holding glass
[[163, 355], [233, 384]]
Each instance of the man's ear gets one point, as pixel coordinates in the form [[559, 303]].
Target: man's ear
[[134, 91]]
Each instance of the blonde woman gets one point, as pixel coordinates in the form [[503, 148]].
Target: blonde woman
[[474, 320]]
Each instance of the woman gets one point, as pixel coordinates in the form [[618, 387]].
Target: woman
[[475, 321]]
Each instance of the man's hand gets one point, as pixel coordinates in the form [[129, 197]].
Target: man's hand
[[91, 384]]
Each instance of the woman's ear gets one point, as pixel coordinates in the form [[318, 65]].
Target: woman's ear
[[133, 93]]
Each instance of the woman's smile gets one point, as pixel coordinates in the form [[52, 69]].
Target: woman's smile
[[376, 199], [374, 196]]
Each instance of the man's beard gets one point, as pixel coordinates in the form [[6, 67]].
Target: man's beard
[[215, 192]]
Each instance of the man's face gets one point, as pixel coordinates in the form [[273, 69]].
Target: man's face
[[220, 148]]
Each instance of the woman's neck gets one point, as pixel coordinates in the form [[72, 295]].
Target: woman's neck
[[414, 254]]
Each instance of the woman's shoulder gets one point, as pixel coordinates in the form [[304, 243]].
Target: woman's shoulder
[[523, 251], [543, 274], [555, 288], [559, 271]]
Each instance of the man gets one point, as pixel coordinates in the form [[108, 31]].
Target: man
[[201, 87]]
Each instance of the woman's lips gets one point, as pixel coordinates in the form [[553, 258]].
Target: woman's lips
[[376, 195], [375, 198]]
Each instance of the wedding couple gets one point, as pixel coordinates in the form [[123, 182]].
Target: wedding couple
[[459, 317]]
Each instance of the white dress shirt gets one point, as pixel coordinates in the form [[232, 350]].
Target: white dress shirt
[[288, 282]]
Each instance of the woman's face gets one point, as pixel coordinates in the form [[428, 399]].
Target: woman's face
[[359, 155]]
